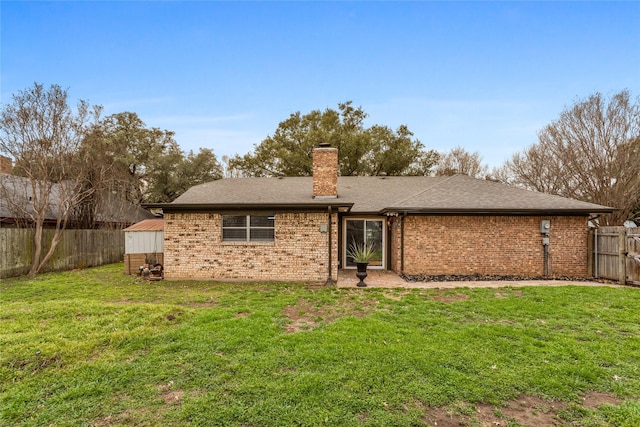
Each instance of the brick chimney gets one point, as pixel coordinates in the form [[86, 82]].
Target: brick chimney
[[6, 165], [325, 172]]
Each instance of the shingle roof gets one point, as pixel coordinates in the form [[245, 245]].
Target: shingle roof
[[375, 194], [111, 210]]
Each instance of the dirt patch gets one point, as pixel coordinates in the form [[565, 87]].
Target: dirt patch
[[170, 396], [529, 411], [442, 417], [173, 397], [243, 314], [38, 363], [363, 417], [306, 315], [448, 299], [109, 420], [594, 399], [128, 417], [526, 411], [131, 417]]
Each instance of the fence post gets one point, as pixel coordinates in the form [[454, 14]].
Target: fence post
[[622, 256]]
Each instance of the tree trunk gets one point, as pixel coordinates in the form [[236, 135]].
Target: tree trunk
[[52, 249], [37, 242]]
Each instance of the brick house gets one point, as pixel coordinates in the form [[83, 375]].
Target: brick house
[[298, 228]]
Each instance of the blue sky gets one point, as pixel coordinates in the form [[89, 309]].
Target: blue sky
[[483, 75]]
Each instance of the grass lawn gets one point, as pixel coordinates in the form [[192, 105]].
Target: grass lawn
[[95, 347]]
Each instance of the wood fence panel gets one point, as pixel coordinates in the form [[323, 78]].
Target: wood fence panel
[[616, 254], [607, 252], [76, 249]]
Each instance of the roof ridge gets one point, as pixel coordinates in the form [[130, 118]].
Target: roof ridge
[[434, 185]]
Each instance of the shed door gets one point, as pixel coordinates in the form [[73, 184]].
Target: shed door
[[365, 231]]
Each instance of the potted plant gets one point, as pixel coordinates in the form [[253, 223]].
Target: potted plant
[[361, 254]]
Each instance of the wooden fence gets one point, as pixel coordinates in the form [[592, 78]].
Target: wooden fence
[[77, 249], [615, 254]]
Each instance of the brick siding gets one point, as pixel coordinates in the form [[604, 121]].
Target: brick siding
[[497, 245], [325, 172], [193, 249]]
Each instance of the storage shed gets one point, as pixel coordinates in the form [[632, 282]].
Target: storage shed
[[143, 245]]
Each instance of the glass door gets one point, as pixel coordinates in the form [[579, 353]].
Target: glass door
[[365, 231]]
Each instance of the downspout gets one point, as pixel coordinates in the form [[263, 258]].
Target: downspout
[[546, 256], [593, 220], [545, 227], [595, 249], [402, 242], [329, 281]]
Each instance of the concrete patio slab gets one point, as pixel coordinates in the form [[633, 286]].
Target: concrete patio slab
[[389, 279]]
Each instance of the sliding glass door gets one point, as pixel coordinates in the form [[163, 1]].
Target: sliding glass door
[[367, 231]]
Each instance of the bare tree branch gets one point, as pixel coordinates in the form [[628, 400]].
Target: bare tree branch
[[591, 153], [42, 134]]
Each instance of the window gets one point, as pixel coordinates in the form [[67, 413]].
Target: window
[[366, 231], [248, 228]]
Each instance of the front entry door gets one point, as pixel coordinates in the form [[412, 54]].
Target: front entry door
[[365, 231]]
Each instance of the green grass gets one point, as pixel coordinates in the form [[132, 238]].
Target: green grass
[[95, 347]]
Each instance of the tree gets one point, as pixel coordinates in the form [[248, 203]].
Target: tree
[[42, 134], [590, 153], [172, 174], [460, 161], [362, 151], [136, 149], [146, 164]]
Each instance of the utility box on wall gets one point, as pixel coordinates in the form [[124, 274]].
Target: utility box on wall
[[545, 226]]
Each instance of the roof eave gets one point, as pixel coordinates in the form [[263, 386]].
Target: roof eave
[[183, 207]]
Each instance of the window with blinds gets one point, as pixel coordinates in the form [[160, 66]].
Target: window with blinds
[[248, 228]]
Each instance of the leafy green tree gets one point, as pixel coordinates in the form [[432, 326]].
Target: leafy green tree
[[145, 164], [172, 174], [136, 149], [362, 151]]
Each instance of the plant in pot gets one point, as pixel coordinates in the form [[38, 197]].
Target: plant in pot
[[361, 254]]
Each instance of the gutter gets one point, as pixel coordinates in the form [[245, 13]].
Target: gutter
[[496, 211], [194, 207]]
